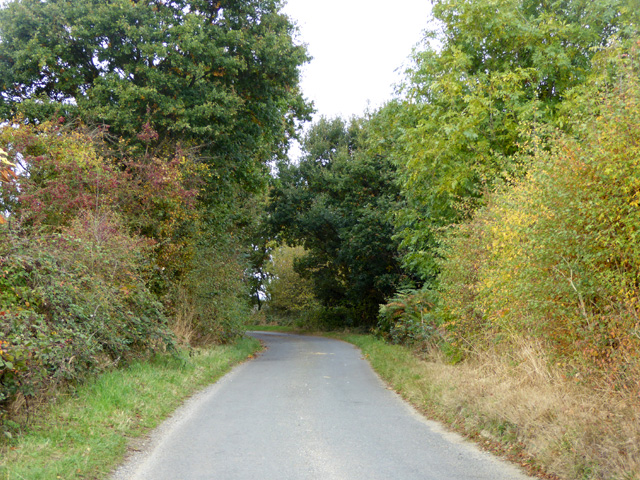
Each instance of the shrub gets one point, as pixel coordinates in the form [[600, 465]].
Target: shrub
[[212, 299], [60, 173], [410, 318], [555, 254], [75, 297], [159, 202], [74, 304]]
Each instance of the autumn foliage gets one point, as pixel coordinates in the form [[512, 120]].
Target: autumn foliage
[[134, 138], [75, 295], [554, 255]]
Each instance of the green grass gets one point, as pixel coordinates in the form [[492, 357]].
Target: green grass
[[85, 435]]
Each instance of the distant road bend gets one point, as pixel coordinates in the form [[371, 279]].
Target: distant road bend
[[308, 408]]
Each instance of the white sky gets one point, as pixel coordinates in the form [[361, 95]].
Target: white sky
[[357, 48]]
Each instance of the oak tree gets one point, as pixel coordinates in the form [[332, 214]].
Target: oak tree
[[337, 203], [221, 76]]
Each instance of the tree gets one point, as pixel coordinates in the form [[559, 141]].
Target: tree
[[554, 255], [337, 203], [502, 67], [289, 294], [220, 76], [194, 98]]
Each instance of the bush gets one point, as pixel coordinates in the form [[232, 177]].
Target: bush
[[60, 173], [211, 302], [73, 304], [555, 255], [410, 318], [75, 298]]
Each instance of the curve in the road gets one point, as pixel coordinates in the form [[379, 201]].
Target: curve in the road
[[308, 408]]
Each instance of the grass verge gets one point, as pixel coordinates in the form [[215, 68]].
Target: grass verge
[[85, 435], [519, 409]]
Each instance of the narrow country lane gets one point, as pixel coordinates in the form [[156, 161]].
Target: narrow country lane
[[308, 408]]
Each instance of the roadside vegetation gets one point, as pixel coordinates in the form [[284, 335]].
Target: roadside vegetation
[[291, 298], [486, 219], [133, 158], [516, 407]]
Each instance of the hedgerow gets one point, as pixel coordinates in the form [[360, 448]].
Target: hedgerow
[[75, 278], [108, 253], [554, 255], [72, 306]]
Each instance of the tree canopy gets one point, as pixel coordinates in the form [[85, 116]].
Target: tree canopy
[[221, 76], [336, 203], [493, 71], [134, 142]]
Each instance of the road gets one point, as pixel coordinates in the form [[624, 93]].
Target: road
[[308, 408]]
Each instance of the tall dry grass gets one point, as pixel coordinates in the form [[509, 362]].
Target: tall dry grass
[[182, 323], [571, 429]]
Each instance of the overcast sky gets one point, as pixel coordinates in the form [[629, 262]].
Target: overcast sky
[[358, 46]]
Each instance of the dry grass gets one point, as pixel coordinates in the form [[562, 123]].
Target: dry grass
[[517, 405], [183, 322], [573, 430]]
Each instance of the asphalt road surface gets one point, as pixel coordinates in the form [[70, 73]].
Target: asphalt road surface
[[308, 408]]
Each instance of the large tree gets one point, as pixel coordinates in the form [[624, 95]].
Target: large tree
[[218, 75], [336, 203], [492, 72]]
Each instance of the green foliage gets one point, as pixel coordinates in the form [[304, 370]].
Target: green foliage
[[496, 67], [337, 203], [408, 318], [212, 298], [215, 290], [289, 295], [144, 213], [259, 253], [75, 304], [221, 76], [555, 254]]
